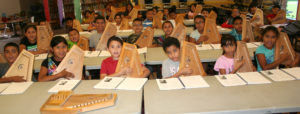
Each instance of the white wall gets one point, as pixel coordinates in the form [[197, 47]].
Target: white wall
[[9, 7]]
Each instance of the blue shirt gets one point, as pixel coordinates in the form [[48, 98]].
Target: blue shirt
[[147, 23], [237, 36], [269, 54]]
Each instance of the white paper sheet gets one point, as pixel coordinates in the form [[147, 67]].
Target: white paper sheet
[[109, 83], [41, 56], [257, 43], [132, 83], [193, 82], [64, 85], [91, 53], [16, 88], [251, 45], [104, 53], [277, 75], [294, 72], [216, 46], [204, 47], [230, 80], [254, 78], [142, 50], [3, 86], [169, 84]]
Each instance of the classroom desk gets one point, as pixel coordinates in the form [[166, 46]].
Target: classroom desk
[[35, 96], [276, 97], [91, 63], [152, 57]]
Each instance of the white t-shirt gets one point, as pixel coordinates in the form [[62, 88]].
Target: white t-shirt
[[169, 68], [195, 34]]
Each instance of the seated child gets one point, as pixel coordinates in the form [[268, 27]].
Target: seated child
[[275, 10], [76, 39], [166, 14], [68, 24], [238, 29], [265, 53], [149, 18], [99, 23], [59, 48], [109, 65], [228, 24], [137, 26], [11, 53], [118, 20], [170, 67], [167, 27], [205, 12], [29, 42], [197, 36]]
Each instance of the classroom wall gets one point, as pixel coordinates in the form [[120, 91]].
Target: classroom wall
[[9, 7]]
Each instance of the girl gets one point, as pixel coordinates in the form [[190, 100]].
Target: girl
[[224, 64], [168, 29], [29, 42], [190, 14], [59, 48], [265, 53], [196, 35], [109, 65], [118, 20]]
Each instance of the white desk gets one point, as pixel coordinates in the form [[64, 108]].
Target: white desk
[[265, 98]]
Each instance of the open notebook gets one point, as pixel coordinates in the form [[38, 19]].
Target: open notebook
[[254, 78], [186, 82], [230, 80], [293, 72], [123, 83], [64, 85], [277, 75]]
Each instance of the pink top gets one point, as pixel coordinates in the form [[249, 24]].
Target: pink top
[[224, 63]]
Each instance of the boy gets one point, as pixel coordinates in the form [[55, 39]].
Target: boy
[[238, 29], [234, 13], [275, 10], [68, 24], [196, 35], [170, 67], [99, 23], [205, 12], [149, 18], [118, 20], [11, 53], [76, 39], [137, 27]]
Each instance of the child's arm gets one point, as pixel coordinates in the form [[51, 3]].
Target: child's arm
[[184, 71], [236, 68], [12, 79], [202, 38], [146, 72], [122, 72], [44, 77], [296, 61], [263, 63]]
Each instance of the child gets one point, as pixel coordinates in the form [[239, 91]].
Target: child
[[88, 17], [265, 53], [118, 19], [275, 10], [137, 27], [224, 64], [166, 14], [99, 23], [228, 24], [238, 29], [167, 27], [251, 11], [196, 35], [149, 18], [11, 53], [29, 42], [109, 65], [155, 10], [205, 12], [68, 24], [170, 67], [129, 7], [59, 48], [76, 39], [190, 14]]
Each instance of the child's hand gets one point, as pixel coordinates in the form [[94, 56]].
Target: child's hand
[[16, 79], [203, 38], [284, 56], [66, 74], [187, 71], [239, 64], [246, 39], [124, 71]]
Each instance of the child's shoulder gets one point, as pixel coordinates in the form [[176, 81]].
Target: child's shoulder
[[261, 48], [107, 60]]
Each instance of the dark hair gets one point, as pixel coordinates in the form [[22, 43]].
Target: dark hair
[[114, 38], [118, 14], [73, 30], [276, 6], [41, 20], [68, 19], [270, 28], [13, 45], [138, 19], [155, 8], [237, 9], [190, 7], [56, 40], [99, 18], [237, 18], [227, 40], [252, 5], [87, 11], [206, 9], [149, 10], [130, 6], [30, 26], [200, 17], [167, 22], [171, 41]]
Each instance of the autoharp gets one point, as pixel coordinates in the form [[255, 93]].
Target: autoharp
[[76, 25], [83, 43], [179, 32], [190, 58], [211, 30], [125, 24], [65, 102], [112, 14], [145, 40], [259, 15], [133, 14], [157, 20], [280, 18], [179, 18], [72, 62], [110, 30], [130, 58], [242, 55], [198, 9], [247, 30], [23, 66], [284, 46], [43, 38]]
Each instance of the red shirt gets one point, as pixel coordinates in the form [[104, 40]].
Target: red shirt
[[271, 16], [108, 66]]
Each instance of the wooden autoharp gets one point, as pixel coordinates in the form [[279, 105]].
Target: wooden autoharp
[[130, 58], [83, 43], [145, 40], [49, 29], [43, 38], [284, 46], [213, 15], [113, 13], [198, 9], [157, 20], [125, 24], [65, 102], [190, 58], [242, 55], [280, 18], [76, 25], [23, 66], [73, 62], [133, 14], [179, 18], [259, 15], [179, 32], [247, 30], [211, 30], [110, 30]]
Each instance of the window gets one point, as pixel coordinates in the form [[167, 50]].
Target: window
[[291, 9]]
